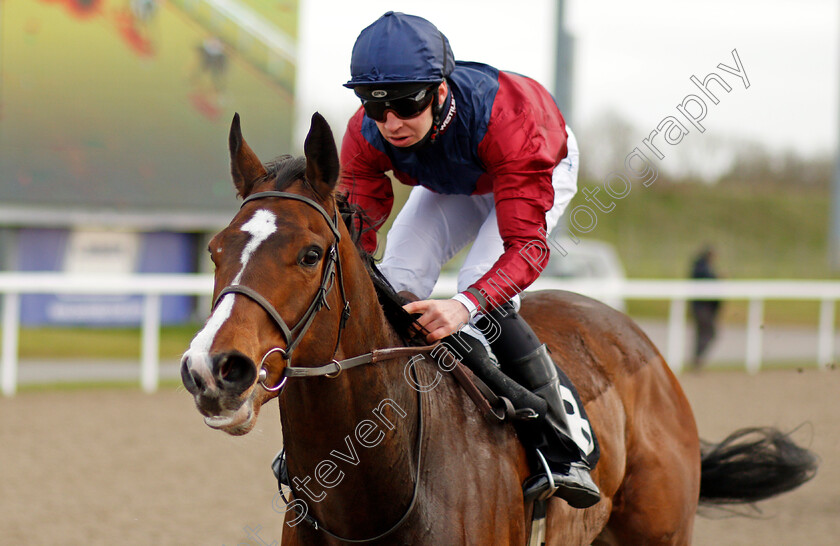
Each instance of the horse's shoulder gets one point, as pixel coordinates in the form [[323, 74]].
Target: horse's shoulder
[[593, 343]]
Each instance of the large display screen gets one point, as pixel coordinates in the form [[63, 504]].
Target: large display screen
[[125, 105]]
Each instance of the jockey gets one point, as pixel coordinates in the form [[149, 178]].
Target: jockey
[[493, 163]]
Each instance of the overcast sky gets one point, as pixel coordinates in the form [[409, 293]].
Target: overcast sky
[[634, 58]]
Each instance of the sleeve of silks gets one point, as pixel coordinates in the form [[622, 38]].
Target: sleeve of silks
[[525, 140], [363, 179]]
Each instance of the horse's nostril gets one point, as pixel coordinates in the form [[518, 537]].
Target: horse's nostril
[[191, 378], [225, 367], [187, 377], [235, 369], [199, 382]]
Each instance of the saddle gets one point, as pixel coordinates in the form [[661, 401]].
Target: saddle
[[507, 399]]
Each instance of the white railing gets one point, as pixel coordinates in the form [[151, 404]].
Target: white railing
[[151, 286], [678, 292]]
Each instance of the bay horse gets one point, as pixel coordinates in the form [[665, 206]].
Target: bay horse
[[384, 447]]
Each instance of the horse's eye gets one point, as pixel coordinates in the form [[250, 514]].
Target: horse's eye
[[311, 256]]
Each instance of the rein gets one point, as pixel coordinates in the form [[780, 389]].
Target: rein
[[418, 446]]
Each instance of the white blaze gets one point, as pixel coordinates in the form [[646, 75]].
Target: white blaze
[[260, 226]]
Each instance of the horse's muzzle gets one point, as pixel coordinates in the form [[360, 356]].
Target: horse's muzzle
[[218, 381]]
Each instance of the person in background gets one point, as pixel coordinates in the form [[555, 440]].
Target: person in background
[[213, 60], [492, 163], [704, 312]]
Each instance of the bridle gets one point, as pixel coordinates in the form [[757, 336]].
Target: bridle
[[294, 335]]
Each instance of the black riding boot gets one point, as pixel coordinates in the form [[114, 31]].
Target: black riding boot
[[569, 473], [472, 354], [525, 360]]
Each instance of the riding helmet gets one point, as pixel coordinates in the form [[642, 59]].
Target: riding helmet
[[398, 54]]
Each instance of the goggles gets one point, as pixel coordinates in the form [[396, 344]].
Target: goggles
[[404, 107]]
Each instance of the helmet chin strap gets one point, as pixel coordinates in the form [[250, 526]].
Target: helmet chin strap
[[433, 132], [437, 110]]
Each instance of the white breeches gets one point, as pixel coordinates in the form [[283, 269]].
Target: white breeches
[[431, 228]]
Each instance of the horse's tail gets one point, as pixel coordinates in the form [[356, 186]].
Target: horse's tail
[[752, 464]]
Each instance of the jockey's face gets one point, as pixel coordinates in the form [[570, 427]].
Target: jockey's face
[[407, 132]]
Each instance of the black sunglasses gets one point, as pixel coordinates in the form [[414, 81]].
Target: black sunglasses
[[403, 108]]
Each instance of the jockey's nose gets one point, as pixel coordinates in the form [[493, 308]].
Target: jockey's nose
[[392, 122]]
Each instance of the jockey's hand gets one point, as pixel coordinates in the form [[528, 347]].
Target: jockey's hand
[[439, 317]]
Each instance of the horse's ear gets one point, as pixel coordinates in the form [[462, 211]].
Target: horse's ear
[[245, 166], [321, 156]]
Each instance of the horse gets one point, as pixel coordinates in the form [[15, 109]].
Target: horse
[[383, 446]]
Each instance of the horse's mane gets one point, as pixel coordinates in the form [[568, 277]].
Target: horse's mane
[[392, 303], [286, 169]]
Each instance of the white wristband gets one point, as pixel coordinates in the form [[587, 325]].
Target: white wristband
[[472, 308]]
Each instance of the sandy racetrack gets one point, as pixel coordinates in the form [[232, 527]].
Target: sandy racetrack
[[121, 467]]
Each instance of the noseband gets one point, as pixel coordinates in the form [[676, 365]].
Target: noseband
[[332, 269]]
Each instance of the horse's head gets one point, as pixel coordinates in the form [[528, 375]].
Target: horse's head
[[275, 270]]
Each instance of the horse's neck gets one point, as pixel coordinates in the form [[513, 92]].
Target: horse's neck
[[362, 423]]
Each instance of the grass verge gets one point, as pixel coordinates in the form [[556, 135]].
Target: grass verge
[[100, 343]]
